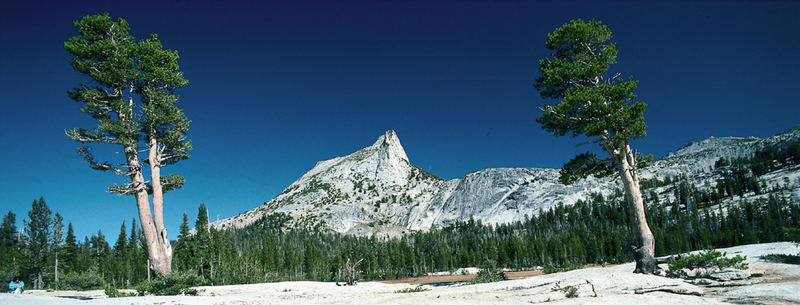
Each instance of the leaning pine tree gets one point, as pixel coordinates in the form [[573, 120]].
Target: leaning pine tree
[[601, 108], [132, 97]]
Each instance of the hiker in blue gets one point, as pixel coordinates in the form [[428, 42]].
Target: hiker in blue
[[16, 286]]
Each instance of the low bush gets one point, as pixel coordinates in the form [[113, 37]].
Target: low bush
[[87, 280], [412, 290], [783, 258], [565, 268], [112, 292], [172, 284], [486, 276], [569, 290], [707, 259]]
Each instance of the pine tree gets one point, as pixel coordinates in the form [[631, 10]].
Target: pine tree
[[138, 253], [36, 238], [132, 96], [201, 241], [181, 260], [120, 247], [56, 245], [9, 246], [598, 107], [70, 249], [121, 263]]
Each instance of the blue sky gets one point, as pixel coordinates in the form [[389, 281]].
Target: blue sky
[[275, 86]]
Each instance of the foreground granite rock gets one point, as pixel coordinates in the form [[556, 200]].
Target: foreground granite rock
[[777, 284]]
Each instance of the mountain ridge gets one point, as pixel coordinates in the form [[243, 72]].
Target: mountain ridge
[[377, 190]]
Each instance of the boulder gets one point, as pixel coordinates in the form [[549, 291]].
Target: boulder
[[729, 274]]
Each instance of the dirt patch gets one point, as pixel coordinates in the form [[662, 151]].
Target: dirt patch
[[432, 279], [515, 275]]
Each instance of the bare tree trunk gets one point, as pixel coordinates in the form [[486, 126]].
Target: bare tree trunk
[[155, 181], [352, 271], [56, 271], [644, 252], [159, 254], [164, 264]]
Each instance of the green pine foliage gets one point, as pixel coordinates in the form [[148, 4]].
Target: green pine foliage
[[783, 258], [10, 248], [132, 96], [86, 280], [42, 235], [172, 284], [591, 102], [707, 259]]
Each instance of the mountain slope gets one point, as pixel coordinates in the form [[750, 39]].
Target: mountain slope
[[377, 189]]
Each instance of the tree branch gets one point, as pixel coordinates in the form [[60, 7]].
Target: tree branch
[[85, 136], [86, 153]]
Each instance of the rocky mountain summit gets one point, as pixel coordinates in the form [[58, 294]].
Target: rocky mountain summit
[[378, 190]]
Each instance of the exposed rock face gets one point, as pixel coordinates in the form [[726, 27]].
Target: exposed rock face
[[373, 189], [729, 274], [378, 190]]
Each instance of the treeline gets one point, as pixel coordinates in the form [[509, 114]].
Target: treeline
[[48, 257], [588, 232], [593, 231]]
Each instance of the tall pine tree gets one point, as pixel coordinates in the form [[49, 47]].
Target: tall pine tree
[[42, 235], [599, 107], [131, 94], [202, 240], [9, 247]]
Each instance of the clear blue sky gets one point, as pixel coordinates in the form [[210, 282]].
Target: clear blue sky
[[275, 86]]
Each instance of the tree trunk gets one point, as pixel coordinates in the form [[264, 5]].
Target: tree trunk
[[644, 251], [352, 271], [56, 271], [165, 265], [159, 251], [155, 182]]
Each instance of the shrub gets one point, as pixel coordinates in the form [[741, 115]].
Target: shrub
[[569, 290], [783, 258], [709, 258], [572, 292], [112, 292], [486, 276], [565, 268], [172, 284], [411, 290], [87, 280]]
